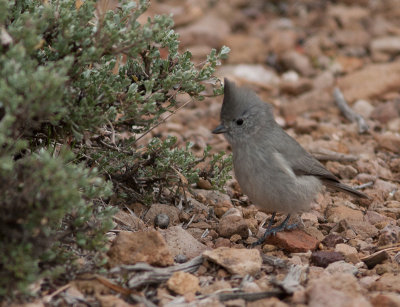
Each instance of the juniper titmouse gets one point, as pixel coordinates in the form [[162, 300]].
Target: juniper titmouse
[[272, 169]]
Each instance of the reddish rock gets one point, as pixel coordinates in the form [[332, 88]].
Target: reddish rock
[[133, 247], [233, 224], [295, 241], [324, 258]]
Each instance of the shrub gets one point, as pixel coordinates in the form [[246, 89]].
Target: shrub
[[78, 84]]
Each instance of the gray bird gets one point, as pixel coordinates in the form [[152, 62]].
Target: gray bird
[[272, 169]]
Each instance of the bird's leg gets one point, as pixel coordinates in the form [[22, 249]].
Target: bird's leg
[[267, 230], [273, 230]]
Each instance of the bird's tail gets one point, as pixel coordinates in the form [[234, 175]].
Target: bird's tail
[[338, 186]]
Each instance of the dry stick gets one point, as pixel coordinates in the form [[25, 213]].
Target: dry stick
[[251, 296], [164, 120], [348, 112], [153, 275]]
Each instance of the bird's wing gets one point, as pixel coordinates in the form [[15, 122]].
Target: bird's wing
[[307, 165]]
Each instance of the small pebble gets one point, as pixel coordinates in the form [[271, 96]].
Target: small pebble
[[161, 220], [180, 258]]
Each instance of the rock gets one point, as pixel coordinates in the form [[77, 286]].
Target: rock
[[203, 32], [267, 302], [233, 224], [347, 171], [388, 44], [314, 100], [389, 140], [239, 302], [348, 64], [161, 220], [204, 184], [349, 16], [341, 267], [350, 253], [180, 258], [235, 238], [236, 261], [105, 300], [386, 300], [221, 202], [374, 218], [389, 235], [181, 242], [133, 247], [387, 111], [294, 241], [156, 209], [367, 281], [296, 87], [363, 107], [324, 80], [240, 51], [388, 282], [281, 40], [315, 233], [338, 289], [126, 219], [337, 213], [182, 283], [370, 82], [254, 74], [233, 211], [360, 228], [358, 38], [332, 239], [305, 125], [383, 268], [293, 60], [222, 242], [324, 258]]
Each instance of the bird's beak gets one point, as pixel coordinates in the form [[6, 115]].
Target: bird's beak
[[220, 129]]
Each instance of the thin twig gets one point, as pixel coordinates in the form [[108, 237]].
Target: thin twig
[[349, 112], [112, 132], [363, 186], [163, 120]]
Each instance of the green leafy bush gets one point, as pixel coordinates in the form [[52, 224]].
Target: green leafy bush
[[79, 84]]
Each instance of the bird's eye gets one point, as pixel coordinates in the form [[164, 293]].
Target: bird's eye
[[239, 122]]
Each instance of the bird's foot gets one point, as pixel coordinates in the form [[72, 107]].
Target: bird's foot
[[273, 230]]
